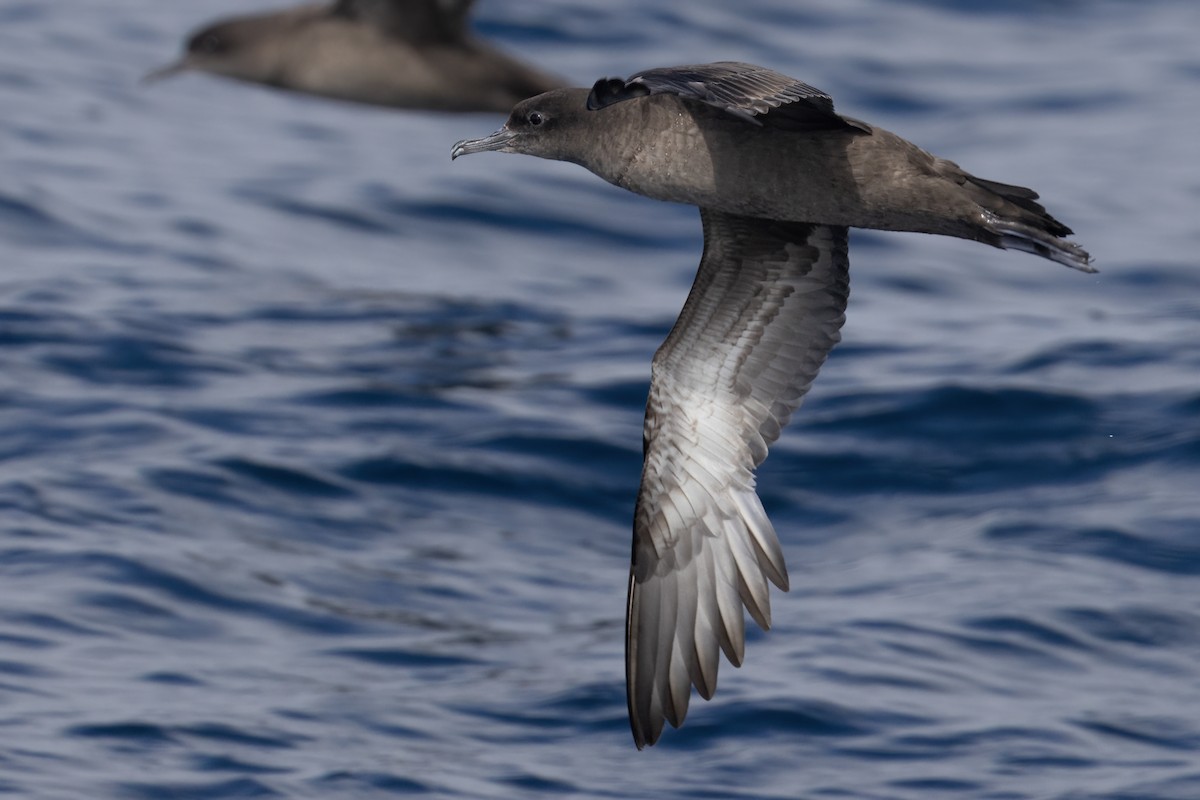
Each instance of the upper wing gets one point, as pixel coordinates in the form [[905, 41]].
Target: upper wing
[[411, 20], [765, 310], [755, 94]]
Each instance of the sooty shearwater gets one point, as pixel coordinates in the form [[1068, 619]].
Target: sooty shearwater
[[415, 54], [778, 177]]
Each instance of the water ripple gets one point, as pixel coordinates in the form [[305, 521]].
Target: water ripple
[[318, 452]]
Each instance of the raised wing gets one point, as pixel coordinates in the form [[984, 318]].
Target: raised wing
[[765, 310], [420, 21], [752, 93]]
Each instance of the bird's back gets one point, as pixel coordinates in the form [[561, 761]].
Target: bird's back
[[342, 59], [679, 150]]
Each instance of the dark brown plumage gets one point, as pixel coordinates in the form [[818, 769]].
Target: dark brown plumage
[[416, 54], [778, 176]]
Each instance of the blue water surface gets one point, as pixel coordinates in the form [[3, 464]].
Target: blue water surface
[[318, 452]]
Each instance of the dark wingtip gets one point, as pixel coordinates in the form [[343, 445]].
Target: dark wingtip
[[607, 91], [635, 725]]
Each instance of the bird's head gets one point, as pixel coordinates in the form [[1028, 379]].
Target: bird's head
[[246, 48], [550, 125]]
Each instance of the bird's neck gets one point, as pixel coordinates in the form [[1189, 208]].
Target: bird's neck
[[655, 150]]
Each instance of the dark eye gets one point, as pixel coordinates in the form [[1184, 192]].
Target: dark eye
[[208, 43], [535, 118]]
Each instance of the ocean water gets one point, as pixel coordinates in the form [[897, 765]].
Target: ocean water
[[318, 452]]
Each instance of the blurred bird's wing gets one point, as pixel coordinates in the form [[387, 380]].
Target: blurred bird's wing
[[420, 21]]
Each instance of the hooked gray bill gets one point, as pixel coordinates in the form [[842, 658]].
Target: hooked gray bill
[[166, 71], [496, 141]]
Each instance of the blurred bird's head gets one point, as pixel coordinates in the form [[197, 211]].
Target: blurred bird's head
[[244, 48]]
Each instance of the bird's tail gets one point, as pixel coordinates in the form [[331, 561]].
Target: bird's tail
[[1027, 238], [1015, 220]]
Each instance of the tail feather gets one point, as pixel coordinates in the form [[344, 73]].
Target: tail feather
[[1028, 239], [1026, 200], [1016, 221]]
